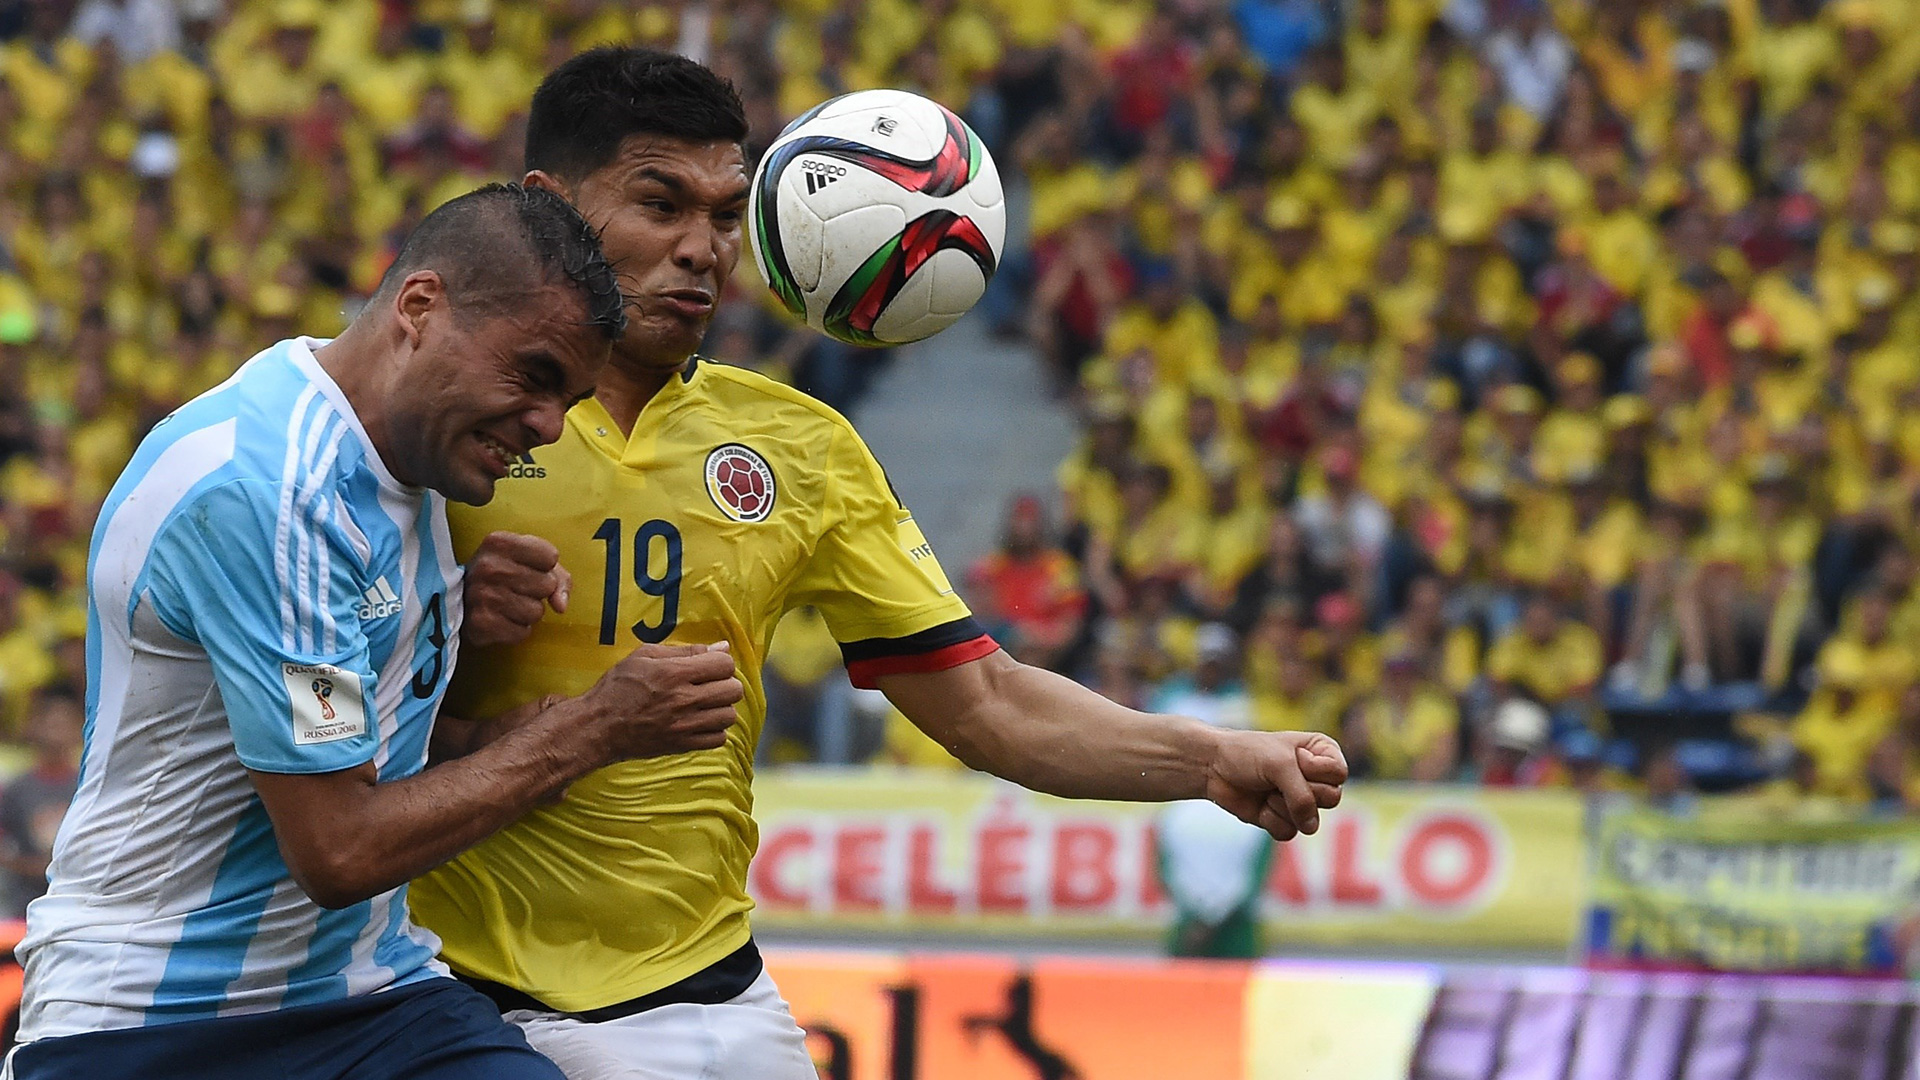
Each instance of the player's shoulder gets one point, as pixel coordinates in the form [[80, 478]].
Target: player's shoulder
[[736, 387], [274, 428]]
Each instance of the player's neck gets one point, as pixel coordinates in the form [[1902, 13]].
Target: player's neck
[[623, 392], [362, 374]]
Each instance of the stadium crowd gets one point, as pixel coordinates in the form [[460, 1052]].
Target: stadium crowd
[[1486, 381]]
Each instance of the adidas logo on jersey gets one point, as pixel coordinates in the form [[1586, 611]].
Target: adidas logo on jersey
[[379, 600], [821, 173], [525, 467]]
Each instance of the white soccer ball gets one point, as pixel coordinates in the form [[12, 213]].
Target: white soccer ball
[[877, 217]]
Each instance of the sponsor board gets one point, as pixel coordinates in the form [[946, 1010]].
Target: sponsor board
[[1753, 895], [1438, 867], [913, 1016]]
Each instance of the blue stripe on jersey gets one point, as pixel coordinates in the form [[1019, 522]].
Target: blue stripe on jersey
[[213, 940], [322, 977], [243, 537]]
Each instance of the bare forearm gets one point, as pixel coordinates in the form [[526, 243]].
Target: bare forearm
[[382, 835], [1049, 733]]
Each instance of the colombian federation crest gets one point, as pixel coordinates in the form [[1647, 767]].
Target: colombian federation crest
[[741, 483]]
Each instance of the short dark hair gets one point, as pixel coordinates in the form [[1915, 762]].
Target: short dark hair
[[494, 245], [586, 108]]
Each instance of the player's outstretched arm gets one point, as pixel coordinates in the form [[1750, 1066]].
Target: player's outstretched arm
[[1051, 734], [347, 837]]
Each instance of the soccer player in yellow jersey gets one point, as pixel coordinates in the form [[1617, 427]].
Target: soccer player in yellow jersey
[[689, 502]]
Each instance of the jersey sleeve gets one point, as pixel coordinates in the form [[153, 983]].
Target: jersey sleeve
[[875, 580], [269, 588]]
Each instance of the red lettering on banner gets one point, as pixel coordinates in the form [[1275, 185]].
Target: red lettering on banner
[[1083, 878], [1351, 883], [766, 870], [1151, 895], [1425, 880], [1285, 882], [856, 869], [924, 894], [1002, 882]]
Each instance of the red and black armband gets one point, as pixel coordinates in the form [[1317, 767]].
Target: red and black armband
[[933, 649]]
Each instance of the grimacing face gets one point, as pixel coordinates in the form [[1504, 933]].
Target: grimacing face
[[477, 393], [671, 214]]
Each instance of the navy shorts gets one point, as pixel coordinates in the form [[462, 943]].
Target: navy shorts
[[436, 1030]]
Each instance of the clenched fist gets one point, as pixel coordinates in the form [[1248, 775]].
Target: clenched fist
[[1278, 780], [510, 582], [665, 699]]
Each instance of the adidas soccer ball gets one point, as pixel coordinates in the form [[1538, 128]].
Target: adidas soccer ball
[[877, 217]]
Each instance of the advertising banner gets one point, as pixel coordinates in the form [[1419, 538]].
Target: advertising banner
[[893, 1016], [982, 1016], [1680, 894], [960, 852]]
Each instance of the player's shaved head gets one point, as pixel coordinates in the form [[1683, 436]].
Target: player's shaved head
[[496, 246], [587, 107]]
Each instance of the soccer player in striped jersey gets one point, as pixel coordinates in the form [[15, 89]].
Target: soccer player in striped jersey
[[697, 502], [273, 616]]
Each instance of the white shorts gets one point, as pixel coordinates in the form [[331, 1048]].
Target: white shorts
[[750, 1037]]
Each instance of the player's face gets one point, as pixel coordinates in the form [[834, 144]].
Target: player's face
[[482, 392], [671, 214]]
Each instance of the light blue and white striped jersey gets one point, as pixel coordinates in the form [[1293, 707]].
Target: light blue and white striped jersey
[[264, 595]]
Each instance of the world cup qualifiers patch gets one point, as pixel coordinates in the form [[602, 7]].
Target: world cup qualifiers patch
[[740, 483], [327, 703]]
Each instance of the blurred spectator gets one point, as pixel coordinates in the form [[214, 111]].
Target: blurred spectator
[[1514, 751], [1668, 786], [1841, 725], [1029, 591], [1549, 659], [1533, 59], [1214, 693], [1408, 729], [34, 804], [138, 29]]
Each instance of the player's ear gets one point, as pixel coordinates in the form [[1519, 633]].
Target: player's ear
[[540, 178], [419, 294]]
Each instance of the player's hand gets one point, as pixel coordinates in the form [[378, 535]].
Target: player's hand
[[667, 699], [1278, 780], [511, 580]]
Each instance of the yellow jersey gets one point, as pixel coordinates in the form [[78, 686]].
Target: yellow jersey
[[735, 500]]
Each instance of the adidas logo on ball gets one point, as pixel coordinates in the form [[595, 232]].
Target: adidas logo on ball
[[821, 173]]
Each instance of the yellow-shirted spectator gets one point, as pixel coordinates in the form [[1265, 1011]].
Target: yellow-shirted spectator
[[1381, 50], [1865, 651], [26, 660], [1178, 331], [1237, 528], [1333, 111], [1548, 656], [1839, 728], [1448, 656], [1407, 729], [490, 81], [1351, 655], [385, 83], [1487, 177], [1090, 476], [1607, 527], [1631, 53], [278, 78], [1573, 437], [1163, 537], [1300, 699]]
